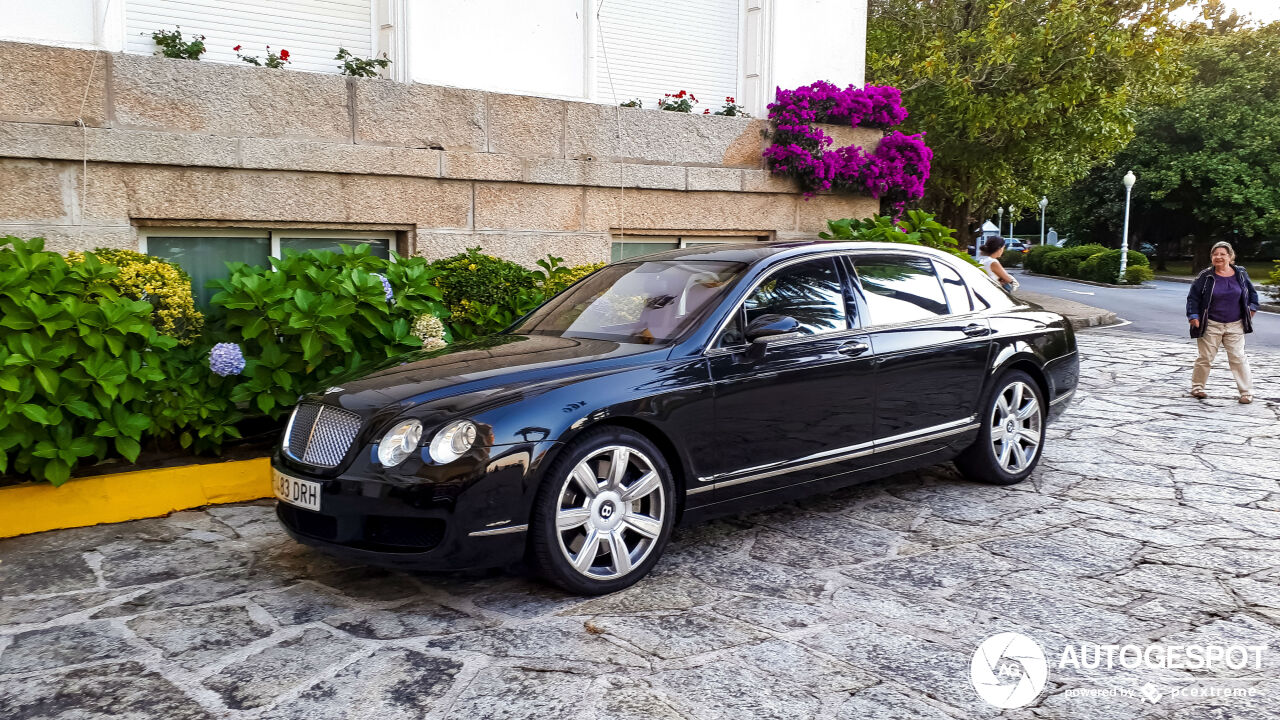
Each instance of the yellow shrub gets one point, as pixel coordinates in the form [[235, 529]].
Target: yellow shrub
[[156, 281]]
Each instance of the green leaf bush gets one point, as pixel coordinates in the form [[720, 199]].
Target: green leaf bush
[[315, 316], [1088, 262], [486, 294], [77, 363], [1067, 262], [91, 365], [161, 283], [1105, 266], [1037, 256], [916, 227]]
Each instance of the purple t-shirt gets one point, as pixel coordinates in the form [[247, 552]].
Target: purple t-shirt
[[1224, 306]]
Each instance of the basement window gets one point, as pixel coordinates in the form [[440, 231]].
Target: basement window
[[629, 246], [204, 252]]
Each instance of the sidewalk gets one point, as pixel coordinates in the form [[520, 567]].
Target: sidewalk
[[1080, 315]]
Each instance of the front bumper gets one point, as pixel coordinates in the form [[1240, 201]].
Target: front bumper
[[426, 518]]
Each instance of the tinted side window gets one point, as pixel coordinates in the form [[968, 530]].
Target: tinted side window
[[900, 289], [953, 287], [810, 292]]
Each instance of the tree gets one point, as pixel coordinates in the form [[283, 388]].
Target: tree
[[1208, 168], [1019, 97]]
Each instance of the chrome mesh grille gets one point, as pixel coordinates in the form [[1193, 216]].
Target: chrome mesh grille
[[320, 435]]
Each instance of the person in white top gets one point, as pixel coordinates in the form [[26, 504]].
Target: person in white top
[[989, 257]]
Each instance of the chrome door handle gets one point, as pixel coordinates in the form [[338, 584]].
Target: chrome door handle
[[853, 348], [976, 330]]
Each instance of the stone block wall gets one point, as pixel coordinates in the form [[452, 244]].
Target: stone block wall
[[176, 142]]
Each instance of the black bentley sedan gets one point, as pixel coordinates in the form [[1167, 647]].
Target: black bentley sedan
[[672, 387]]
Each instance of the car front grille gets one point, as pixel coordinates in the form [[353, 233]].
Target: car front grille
[[320, 435]]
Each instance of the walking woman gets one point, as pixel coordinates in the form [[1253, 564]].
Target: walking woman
[[989, 257], [1220, 308]]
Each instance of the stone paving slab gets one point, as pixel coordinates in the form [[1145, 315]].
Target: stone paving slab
[[1153, 518]]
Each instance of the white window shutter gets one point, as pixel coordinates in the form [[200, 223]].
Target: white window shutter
[[311, 30], [657, 47]]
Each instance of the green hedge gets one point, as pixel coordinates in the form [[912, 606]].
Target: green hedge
[[1105, 266], [1087, 262], [1037, 255]]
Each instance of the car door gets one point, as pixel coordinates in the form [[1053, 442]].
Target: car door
[[931, 350], [806, 407]]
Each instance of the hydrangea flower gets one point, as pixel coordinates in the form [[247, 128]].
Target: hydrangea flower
[[386, 286], [226, 359]]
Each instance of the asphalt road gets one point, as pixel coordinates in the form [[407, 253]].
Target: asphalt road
[[1159, 309]]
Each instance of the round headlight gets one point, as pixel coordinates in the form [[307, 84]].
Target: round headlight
[[452, 441], [399, 443]]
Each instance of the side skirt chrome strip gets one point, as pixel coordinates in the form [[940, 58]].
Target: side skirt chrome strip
[[893, 442], [1063, 397], [499, 531]]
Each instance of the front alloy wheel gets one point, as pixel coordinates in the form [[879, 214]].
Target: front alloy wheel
[[1012, 434], [604, 514]]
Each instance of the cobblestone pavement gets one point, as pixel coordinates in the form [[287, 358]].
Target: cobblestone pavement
[[1153, 518]]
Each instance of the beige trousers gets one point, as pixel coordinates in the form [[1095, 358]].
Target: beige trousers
[[1230, 336]]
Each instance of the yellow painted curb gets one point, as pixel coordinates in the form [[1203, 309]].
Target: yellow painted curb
[[36, 507]]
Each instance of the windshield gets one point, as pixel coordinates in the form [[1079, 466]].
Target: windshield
[[638, 302]]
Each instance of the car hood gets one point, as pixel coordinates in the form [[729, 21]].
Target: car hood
[[490, 366]]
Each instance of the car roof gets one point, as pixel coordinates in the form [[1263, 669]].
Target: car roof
[[750, 253]]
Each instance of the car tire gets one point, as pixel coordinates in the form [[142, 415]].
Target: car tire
[[1011, 437], [601, 539]]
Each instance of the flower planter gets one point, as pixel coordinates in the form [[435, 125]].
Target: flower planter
[[37, 507]]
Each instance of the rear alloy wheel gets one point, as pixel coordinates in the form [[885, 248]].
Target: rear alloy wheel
[[1012, 434], [603, 514]]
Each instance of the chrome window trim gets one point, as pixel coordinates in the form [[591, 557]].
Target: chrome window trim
[[850, 452], [922, 321], [784, 264]]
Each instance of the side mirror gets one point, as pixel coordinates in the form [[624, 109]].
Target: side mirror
[[771, 325], [766, 329]]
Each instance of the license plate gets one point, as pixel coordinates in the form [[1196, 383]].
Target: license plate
[[303, 493]]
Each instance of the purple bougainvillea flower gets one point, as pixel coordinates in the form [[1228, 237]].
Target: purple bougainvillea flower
[[386, 286], [226, 359], [896, 171]]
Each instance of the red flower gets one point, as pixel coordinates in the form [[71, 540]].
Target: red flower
[[284, 54], [707, 111], [236, 48], [729, 99], [680, 94]]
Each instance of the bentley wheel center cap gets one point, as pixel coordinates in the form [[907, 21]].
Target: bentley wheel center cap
[[608, 511]]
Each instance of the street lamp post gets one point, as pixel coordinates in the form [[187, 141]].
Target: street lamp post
[[1044, 203], [1129, 180], [1000, 223], [1011, 212]]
